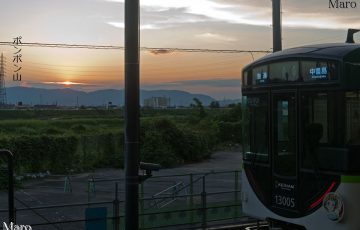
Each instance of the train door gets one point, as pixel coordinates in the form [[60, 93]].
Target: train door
[[284, 151]]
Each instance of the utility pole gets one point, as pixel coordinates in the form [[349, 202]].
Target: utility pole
[[276, 19], [132, 115], [3, 100]]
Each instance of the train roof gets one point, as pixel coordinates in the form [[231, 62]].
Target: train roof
[[337, 51]]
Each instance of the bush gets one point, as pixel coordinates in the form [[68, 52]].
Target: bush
[[59, 154], [232, 115], [230, 131], [43, 153], [161, 142], [100, 150], [164, 143], [156, 149], [79, 128], [197, 146]]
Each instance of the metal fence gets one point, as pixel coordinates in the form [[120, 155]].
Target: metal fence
[[183, 201]]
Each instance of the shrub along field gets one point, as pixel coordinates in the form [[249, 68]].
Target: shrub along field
[[64, 141]]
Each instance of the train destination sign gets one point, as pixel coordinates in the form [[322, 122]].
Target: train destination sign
[[318, 73], [261, 77]]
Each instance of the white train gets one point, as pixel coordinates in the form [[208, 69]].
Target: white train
[[301, 132]]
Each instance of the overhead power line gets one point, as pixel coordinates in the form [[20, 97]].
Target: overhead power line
[[150, 49]]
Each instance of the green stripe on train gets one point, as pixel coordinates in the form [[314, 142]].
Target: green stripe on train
[[350, 179]]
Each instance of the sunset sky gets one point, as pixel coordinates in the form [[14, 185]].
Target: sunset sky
[[212, 24]]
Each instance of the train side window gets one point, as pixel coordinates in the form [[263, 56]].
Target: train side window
[[284, 71], [246, 78], [255, 129], [353, 118], [352, 74]]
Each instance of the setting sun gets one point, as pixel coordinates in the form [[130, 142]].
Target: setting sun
[[68, 83]]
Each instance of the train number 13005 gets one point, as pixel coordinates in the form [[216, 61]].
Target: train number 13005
[[285, 201]]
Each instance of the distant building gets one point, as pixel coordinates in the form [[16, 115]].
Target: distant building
[[111, 106], [157, 102], [21, 105]]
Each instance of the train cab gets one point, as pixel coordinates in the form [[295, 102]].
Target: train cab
[[301, 137]]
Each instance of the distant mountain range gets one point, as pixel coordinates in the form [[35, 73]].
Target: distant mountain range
[[70, 97]]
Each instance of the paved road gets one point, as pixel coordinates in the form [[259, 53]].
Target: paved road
[[50, 191]]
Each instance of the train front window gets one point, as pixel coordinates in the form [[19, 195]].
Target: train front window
[[260, 75], [315, 129], [256, 127], [319, 122], [318, 70], [284, 71]]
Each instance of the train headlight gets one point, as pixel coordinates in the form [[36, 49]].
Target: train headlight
[[334, 206]]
